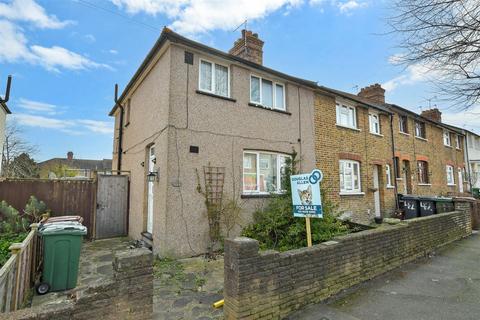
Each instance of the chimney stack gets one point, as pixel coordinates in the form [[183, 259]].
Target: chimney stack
[[69, 155], [248, 47], [374, 92], [432, 114]]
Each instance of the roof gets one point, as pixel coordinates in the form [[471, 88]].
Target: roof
[[86, 164], [5, 107], [173, 37], [416, 115], [354, 97]]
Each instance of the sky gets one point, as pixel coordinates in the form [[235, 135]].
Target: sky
[[66, 55]]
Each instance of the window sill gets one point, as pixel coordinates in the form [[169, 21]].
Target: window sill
[[451, 184], [422, 139], [446, 145], [390, 187], [399, 179], [458, 149], [424, 184], [345, 127], [404, 133], [377, 134], [215, 95], [258, 195], [352, 193], [268, 109]]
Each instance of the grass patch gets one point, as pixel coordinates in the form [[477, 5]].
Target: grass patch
[[169, 271]]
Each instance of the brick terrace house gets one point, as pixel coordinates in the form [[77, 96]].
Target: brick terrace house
[[371, 150], [190, 106]]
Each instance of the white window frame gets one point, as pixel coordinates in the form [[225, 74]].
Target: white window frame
[[458, 141], [424, 129], [214, 64], [401, 129], [340, 105], [346, 191], [388, 172], [274, 97], [450, 171], [447, 139], [279, 171], [372, 122]]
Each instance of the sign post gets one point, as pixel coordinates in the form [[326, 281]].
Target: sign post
[[306, 198]]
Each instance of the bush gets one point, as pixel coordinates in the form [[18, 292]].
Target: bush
[[11, 222], [5, 241], [275, 227]]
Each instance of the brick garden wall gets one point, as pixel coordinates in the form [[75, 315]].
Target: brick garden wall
[[270, 285], [128, 296]]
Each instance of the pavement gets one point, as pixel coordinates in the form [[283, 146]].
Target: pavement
[[443, 286]]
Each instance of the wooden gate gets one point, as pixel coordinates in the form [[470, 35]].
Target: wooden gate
[[112, 206]]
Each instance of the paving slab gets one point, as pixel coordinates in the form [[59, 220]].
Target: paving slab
[[443, 286]]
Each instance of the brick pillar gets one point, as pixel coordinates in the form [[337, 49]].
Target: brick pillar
[[239, 262], [133, 275], [469, 205]]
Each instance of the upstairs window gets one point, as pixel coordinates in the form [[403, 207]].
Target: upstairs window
[[374, 120], [263, 172], [214, 78], [350, 176], [446, 138], [420, 130], [346, 116], [458, 141], [267, 93], [403, 123], [423, 176], [450, 175], [388, 172]]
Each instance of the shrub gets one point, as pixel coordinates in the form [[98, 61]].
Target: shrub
[[10, 220], [275, 227]]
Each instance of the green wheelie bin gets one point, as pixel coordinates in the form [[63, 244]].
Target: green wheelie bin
[[62, 242]]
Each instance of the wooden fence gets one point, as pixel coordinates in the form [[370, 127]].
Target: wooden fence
[[62, 197], [18, 275]]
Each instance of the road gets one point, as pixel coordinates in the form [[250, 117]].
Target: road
[[444, 286]]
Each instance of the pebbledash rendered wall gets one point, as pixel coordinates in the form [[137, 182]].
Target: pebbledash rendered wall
[[129, 295], [270, 285]]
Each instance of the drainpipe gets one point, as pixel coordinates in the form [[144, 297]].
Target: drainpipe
[[395, 169], [120, 131]]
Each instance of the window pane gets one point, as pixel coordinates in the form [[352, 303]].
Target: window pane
[[249, 172], [206, 76], [255, 89], [351, 117], [267, 93], [356, 175], [279, 96], [268, 172], [221, 80]]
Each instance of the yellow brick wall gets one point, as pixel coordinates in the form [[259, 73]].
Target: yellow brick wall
[[334, 143]]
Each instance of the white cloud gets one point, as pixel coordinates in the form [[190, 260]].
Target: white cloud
[[15, 49], [113, 51], [199, 16], [37, 107], [468, 119], [90, 38], [30, 11], [75, 126], [58, 57], [348, 6]]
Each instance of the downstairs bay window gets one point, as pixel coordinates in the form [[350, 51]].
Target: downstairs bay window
[[263, 172], [350, 177]]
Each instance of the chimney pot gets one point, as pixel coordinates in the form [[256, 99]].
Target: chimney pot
[[374, 92], [70, 155], [248, 47]]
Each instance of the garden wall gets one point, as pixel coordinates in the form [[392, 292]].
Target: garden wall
[[270, 285], [128, 296]]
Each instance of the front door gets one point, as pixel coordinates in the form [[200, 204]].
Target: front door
[[407, 177], [151, 165], [376, 193], [460, 180]]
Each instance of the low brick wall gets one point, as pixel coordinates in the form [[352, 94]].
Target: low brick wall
[[270, 285], [473, 206], [129, 295]]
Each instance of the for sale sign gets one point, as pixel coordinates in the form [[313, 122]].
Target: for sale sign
[[306, 198]]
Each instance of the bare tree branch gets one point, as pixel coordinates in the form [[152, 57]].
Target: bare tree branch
[[14, 148]]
